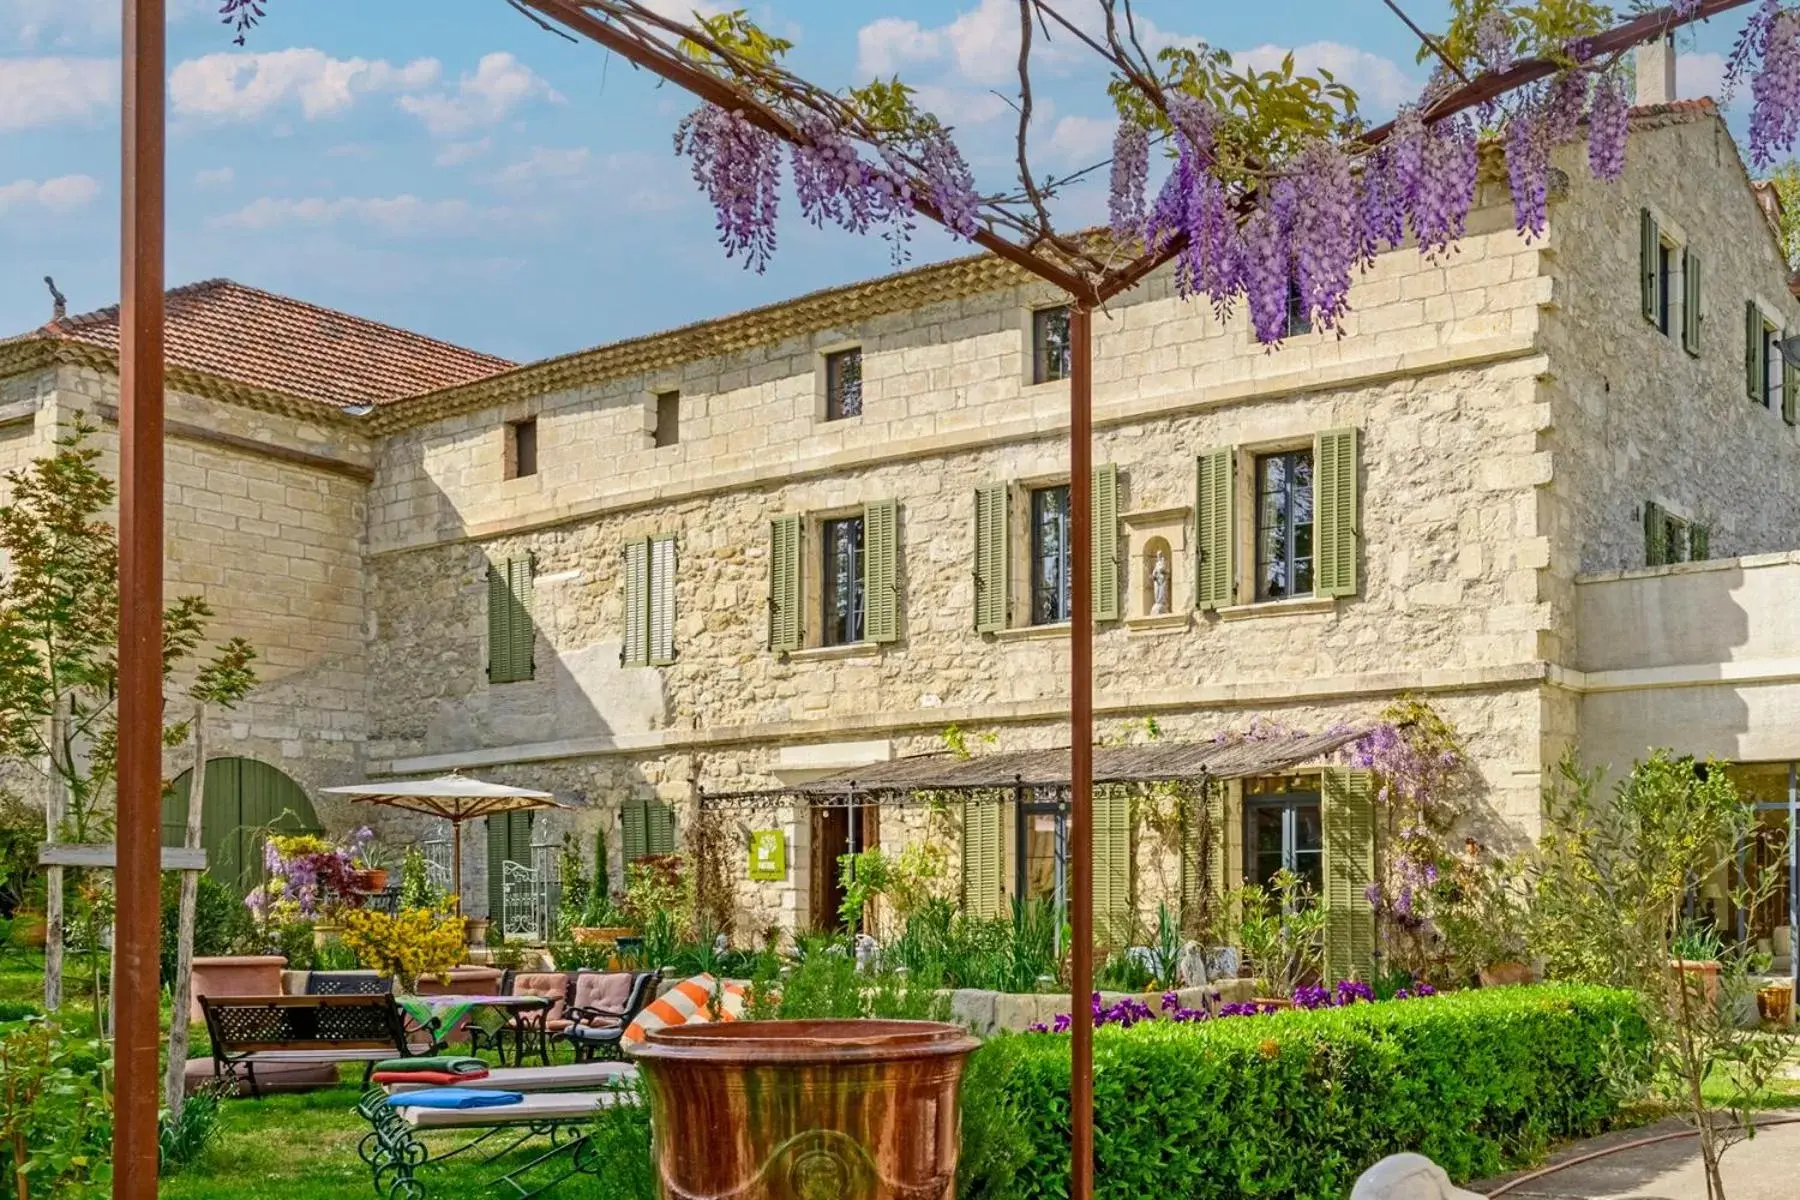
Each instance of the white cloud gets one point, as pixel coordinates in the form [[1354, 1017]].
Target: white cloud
[[61, 194], [892, 44], [1380, 83], [51, 91], [541, 164], [455, 154], [499, 85], [611, 183], [214, 177], [1082, 140], [404, 215], [1699, 75], [243, 87], [59, 21]]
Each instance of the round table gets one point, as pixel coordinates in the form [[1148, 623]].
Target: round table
[[437, 1016]]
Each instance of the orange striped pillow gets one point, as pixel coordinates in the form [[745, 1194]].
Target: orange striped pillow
[[689, 1002]]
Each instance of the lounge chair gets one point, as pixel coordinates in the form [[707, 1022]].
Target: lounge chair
[[596, 1026]]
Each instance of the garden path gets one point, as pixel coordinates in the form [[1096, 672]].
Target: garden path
[[1762, 1169]]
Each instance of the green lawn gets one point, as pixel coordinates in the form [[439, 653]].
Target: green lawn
[[288, 1147]]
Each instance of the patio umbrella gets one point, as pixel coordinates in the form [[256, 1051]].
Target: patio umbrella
[[456, 799]]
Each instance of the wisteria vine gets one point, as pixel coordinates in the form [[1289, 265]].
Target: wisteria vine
[[1127, 1011]]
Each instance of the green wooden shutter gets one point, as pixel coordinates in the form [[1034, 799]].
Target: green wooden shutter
[[220, 824], [1112, 867], [635, 829], [1649, 243], [1690, 302], [1348, 798], [1213, 528], [1754, 370], [1106, 543], [660, 602], [991, 558], [1699, 543], [881, 580], [636, 650], [981, 859], [500, 668], [1334, 513], [521, 584], [497, 834], [1656, 535], [785, 630], [659, 827], [1790, 404]]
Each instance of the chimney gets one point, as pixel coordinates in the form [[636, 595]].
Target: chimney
[[59, 306], [1655, 62]]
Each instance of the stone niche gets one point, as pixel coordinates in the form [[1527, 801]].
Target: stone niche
[[1151, 536]]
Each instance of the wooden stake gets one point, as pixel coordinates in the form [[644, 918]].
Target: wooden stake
[[175, 1078]]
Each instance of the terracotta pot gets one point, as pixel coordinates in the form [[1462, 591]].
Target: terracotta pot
[[462, 981], [807, 1110], [475, 931], [374, 879], [30, 930], [235, 975], [1505, 974], [600, 935], [1776, 1003], [1708, 974], [325, 933]]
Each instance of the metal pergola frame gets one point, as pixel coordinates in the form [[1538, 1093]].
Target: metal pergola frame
[[141, 428]]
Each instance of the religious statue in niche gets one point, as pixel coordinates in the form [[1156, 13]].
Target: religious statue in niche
[[1159, 584]]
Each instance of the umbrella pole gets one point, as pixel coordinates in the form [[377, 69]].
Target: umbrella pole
[[456, 866]]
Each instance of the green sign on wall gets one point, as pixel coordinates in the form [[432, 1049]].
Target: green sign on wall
[[768, 854]]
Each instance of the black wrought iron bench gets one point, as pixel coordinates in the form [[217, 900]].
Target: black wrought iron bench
[[247, 1030]]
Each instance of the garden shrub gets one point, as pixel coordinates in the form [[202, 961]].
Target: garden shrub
[[1295, 1105], [222, 925]]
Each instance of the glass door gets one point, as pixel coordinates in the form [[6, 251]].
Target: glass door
[[1284, 831], [1042, 853]]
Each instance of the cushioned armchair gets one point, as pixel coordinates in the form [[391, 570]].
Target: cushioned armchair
[[594, 1028], [525, 1030]]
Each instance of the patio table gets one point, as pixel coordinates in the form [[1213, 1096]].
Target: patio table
[[438, 1015]]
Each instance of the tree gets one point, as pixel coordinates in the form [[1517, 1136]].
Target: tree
[[1786, 181], [59, 628], [1612, 886]]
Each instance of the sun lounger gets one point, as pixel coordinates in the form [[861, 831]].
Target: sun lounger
[[581, 1077]]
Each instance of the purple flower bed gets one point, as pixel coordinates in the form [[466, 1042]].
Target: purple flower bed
[[1129, 1010]]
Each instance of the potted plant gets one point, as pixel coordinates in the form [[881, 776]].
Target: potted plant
[[1694, 955], [1775, 1002], [370, 860], [407, 945], [1281, 928]]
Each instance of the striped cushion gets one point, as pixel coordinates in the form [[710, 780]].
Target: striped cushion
[[687, 1003]]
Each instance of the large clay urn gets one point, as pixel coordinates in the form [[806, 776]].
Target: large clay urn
[[807, 1110], [234, 975]]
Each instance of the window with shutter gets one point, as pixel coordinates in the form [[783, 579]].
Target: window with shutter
[[1213, 530], [1690, 302], [785, 626], [634, 837], [1649, 242], [636, 650], [1349, 802], [991, 557], [981, 864], [1335, 487], [661, 601], [510, 634], [881, 595], [500, 667], [659, 827], [1106, 543]]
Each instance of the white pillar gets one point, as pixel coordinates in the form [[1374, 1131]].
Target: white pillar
[[1655, 62]]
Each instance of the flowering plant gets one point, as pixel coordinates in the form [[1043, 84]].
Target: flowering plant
[[308, 876], [407, 945], [1129, 1010]]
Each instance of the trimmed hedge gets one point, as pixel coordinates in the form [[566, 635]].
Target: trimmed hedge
[[1297, 1104]]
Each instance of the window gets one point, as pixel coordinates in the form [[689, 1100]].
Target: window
[[521, 448], [668, 419], [510, 633], [649, 639], [1665, 271], [842, 590], [1049, 548], [647, 828], [1298, 319], [1041, 851], [1283, 831], [1772, 364], [1284, 525], [1672, 539], [1050, 345], [843, 385], [1767, 377]]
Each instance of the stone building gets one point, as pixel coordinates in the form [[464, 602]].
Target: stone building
[[815, 536]]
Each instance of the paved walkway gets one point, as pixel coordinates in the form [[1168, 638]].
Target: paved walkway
[[1765, 1168]]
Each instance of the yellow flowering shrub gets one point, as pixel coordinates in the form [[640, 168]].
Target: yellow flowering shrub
[[408, 945]]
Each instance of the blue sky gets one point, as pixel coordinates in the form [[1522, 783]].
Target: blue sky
[[450, 168]]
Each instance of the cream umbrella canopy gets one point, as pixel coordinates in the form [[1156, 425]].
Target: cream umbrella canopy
[[456, 799]]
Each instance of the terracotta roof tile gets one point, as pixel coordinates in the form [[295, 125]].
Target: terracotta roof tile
[[288, 346]]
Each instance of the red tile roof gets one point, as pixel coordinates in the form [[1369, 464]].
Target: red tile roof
[[284, 345]]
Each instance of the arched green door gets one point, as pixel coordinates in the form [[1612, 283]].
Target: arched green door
[[245, 800]]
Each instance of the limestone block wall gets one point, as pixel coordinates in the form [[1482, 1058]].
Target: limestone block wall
[[265, 519], [1634, 416]]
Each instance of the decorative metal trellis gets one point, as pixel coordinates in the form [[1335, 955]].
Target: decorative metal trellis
[[438, 874], [522, 907]]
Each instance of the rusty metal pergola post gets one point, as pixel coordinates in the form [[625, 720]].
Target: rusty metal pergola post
[[137, 925], [1081, 743]]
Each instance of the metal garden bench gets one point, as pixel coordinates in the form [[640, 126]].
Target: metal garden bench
[[247, 1030]]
